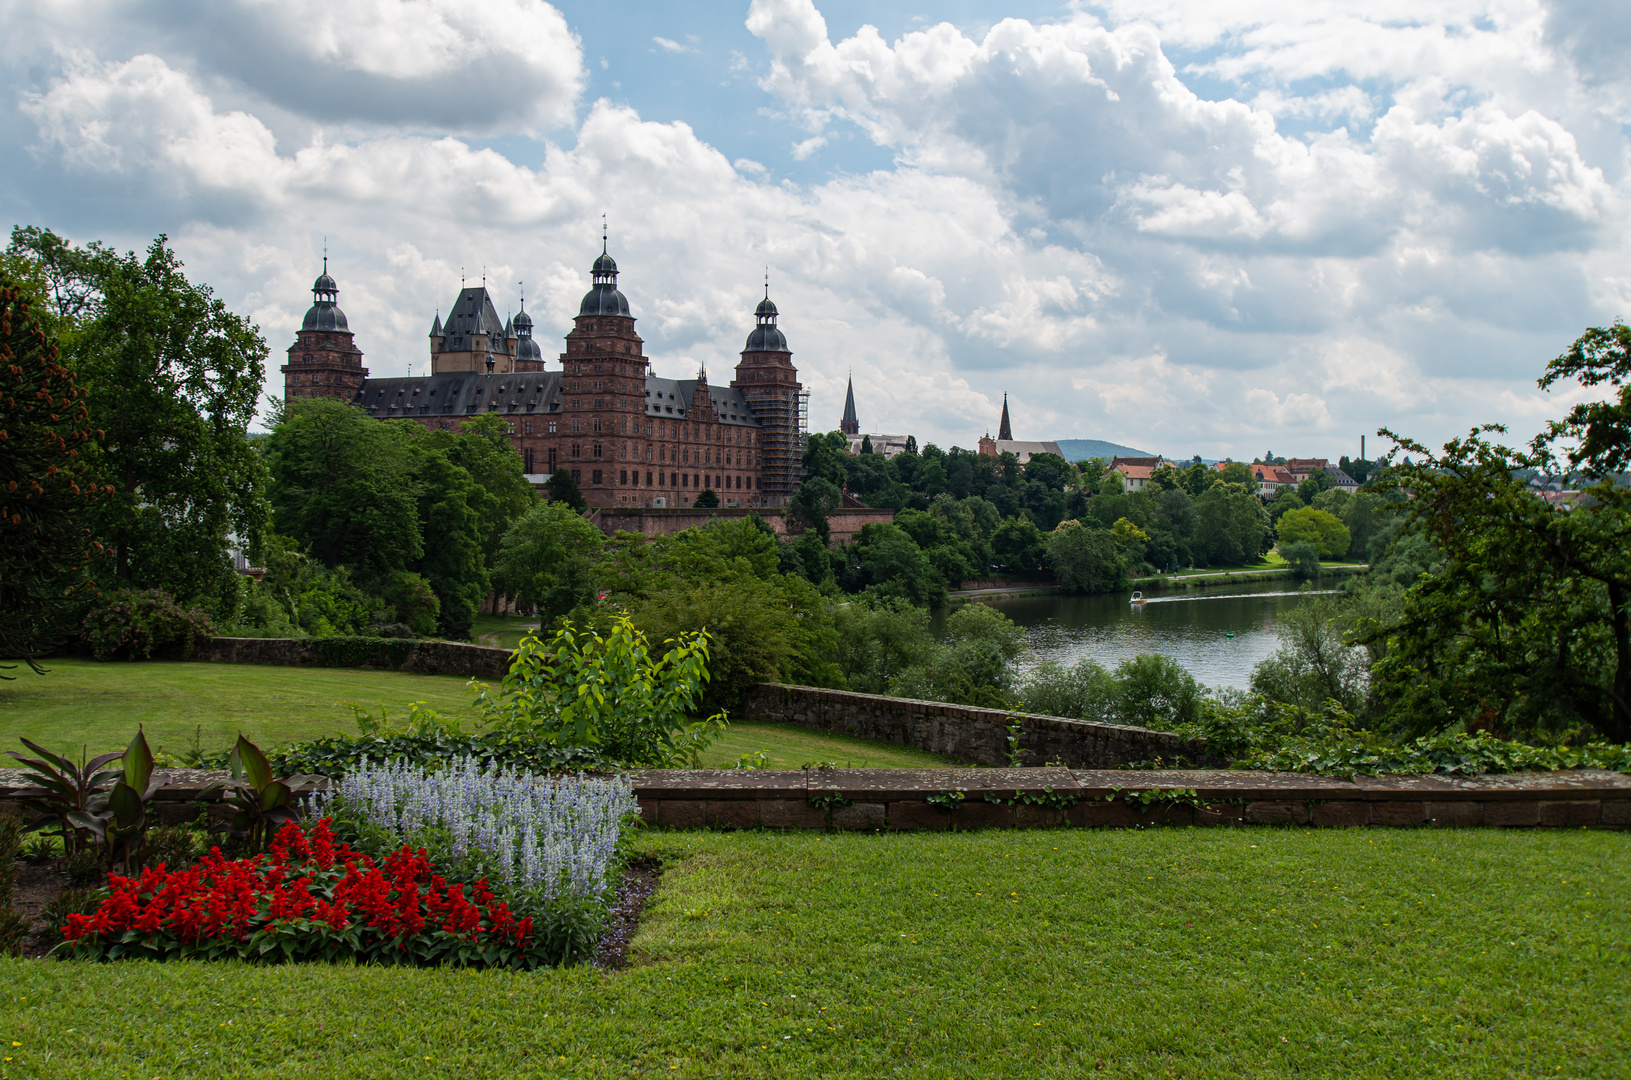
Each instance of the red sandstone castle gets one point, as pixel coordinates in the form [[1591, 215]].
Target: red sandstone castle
[[628, 437]]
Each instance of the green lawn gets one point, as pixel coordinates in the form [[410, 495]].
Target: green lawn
[[82, 702], [1220, 953], [502, 631]]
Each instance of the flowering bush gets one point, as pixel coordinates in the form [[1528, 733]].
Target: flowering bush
[[134, 624], [311, 897], [542, 839]]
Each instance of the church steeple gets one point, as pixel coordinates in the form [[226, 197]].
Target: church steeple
[[851, 424], [1004, 432]]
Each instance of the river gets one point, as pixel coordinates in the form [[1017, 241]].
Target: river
[[1217, 634]]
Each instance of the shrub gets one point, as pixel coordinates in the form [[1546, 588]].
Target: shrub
[[134, 625], [582, 689], [311, 898], [1083, 691], [378, 652]]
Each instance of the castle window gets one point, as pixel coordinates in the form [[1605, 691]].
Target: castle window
[[577, 477], [597, 420], [526, 427], [575, 452], [552, 427], [526, 456], [551, 459], [307, 358], [594, 477], [597, 449], [622, 476], [576, 425]]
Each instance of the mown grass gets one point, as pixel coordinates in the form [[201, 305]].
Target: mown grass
[[85, 703], [502, 631], [1182, 953]]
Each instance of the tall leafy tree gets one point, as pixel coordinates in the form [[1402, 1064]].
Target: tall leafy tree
[[1527, 622], [172, 380], [482, 448], [546, 559], [343, 484], [46, 491], [451, 527]]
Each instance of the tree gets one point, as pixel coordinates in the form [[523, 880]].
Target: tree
[[827, 456], [482, 448], [1230, 526], [546, 558], [811, 503], [564, 490], [1526, 625], [343, 485], [891, 564], [451, 525], [1018, 547], [46, 491], [707, 499], [1310, 526], [866, 444], [1303, 558], [1312, 485], [172, 379], [1086, 560]]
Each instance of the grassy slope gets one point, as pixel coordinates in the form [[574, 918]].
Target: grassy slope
[[84, 702], [1192, 953]]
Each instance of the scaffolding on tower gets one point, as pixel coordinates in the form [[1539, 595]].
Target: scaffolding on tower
[[784, 421]]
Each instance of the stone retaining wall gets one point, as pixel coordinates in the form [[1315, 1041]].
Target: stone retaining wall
[[970, 735], [898, 799], [425, 657]]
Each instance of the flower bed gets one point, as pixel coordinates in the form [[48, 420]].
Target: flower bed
[[542, 840], [311, 898]]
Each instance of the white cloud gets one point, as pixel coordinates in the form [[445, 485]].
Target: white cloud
[[443, 64], [668, 45], [1392, 218]]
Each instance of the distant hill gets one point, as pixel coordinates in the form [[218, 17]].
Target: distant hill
[[1083, 449]]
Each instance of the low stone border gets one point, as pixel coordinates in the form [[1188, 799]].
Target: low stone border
[[425, 657], [966, 733], [900, 799], [906, 799]]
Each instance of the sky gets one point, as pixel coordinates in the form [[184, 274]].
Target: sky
[[1215, 228]]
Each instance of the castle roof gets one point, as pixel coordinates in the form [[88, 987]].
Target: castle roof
[[325, 313]]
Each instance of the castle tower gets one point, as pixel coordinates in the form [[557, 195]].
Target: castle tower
[[473, 338], [1004, 432], [769, 382], [851, 424], [603, 392], [324, 361]]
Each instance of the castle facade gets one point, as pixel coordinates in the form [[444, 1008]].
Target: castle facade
[[627, 436]]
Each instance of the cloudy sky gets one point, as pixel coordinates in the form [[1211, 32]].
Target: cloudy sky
[[1217, 227]]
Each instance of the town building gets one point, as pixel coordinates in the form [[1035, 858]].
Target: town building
[[1135, 471], [1005, 443], [881, 442], [627, 436]]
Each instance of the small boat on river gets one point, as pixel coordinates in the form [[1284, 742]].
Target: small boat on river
[[1138, 598]]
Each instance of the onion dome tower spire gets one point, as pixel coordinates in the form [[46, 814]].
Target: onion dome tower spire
[[325, 313], [603, 297], [1005, 433], [851, 424]]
